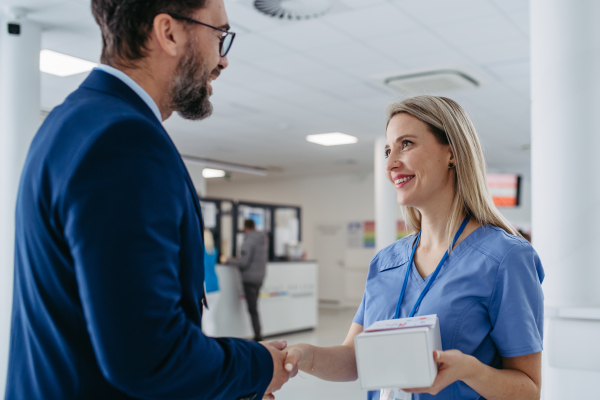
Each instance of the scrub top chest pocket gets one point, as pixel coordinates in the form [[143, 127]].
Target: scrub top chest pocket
[[487, 296]]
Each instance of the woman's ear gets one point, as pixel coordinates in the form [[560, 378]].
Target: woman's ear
[[451, 161]]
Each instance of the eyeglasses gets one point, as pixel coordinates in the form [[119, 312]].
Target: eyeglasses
[[226, 38]]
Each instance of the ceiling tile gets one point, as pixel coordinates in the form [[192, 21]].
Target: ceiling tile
[[498, 52], [371, 22], [361, 3], [255, 47], [511, 5], [288, 65], [431, 12], [325, 78], [519, 69], [303, 35], [401, 44], [349, 56], [477, 31]]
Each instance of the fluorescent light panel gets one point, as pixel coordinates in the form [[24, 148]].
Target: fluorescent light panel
[[332, 139], [213, 173], [60, 64]]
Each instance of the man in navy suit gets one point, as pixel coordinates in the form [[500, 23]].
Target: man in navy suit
[[109, 254]]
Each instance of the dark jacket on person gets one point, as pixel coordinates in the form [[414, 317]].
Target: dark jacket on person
[[253, 257], [108, 283]]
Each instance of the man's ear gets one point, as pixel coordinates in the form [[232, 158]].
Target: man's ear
[[168, 34]]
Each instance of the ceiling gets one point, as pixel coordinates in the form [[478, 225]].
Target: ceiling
[[289, 79]]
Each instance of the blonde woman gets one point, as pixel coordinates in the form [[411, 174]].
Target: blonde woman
[[465, 263]]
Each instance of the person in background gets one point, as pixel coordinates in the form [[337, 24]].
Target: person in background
[[211, 284], [252, 264]]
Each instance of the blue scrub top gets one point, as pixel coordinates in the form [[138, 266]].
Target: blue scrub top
[[488, 298]]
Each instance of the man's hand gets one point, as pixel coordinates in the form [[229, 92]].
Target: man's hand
[[280, 375]]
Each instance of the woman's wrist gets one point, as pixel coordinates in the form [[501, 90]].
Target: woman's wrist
[[306, 363], [471, 368]]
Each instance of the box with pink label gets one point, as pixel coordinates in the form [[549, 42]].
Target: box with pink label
[[398, 353]]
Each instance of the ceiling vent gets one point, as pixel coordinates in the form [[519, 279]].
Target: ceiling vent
[[433, 81], [293, 9]]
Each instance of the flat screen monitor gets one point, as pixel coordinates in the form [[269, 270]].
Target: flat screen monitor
[[504, 189]]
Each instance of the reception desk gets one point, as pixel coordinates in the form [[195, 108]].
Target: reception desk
[[287, 301]]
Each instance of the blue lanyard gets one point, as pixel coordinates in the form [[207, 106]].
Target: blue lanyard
[[433, 276]]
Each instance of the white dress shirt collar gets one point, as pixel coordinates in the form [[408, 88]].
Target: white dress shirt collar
[[134, 86]]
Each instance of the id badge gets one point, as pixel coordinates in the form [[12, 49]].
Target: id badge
[[394, 394]]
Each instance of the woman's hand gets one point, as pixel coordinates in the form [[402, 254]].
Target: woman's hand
[[296, 358], [453, 366], [299, 357]]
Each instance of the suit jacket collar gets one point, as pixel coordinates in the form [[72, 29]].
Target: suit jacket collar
[[107, 83]]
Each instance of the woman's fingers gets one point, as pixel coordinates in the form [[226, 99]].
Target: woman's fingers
[[294, 357]]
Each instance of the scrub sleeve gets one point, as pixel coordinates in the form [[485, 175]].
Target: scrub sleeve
[[516, 307]]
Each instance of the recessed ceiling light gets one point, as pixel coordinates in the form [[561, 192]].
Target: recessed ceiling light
[[60, 64], [213, 173], [331, 139]]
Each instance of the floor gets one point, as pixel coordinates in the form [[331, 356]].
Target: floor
[[332, 329]]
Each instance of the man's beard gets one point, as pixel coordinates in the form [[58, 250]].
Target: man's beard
[[189, 90]]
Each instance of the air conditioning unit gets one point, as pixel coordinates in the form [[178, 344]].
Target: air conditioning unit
[[293, 9], [430, 81]]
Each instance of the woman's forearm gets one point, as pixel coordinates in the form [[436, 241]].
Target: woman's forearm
[[335, 363], [500, 384]]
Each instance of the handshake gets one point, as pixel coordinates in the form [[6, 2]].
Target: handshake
[[285, 365]]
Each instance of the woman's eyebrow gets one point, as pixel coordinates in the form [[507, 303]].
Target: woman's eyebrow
[[401, 138]]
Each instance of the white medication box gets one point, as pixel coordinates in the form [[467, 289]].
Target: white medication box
[[398, 353]]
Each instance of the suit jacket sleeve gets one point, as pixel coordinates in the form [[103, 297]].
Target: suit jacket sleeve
[[122, 210]]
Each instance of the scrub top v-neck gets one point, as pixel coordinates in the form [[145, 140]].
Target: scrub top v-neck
[[487, 296]]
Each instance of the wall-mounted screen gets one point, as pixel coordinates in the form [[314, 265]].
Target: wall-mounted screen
[[504, 189]]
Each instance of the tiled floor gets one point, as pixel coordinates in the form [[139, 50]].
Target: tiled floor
[[332, 329]]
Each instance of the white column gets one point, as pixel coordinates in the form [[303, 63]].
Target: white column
[[19, 120], [386, 206], [565, 89], [195, 171]]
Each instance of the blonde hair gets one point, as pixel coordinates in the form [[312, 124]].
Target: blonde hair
[[209, 241], [451, 125]]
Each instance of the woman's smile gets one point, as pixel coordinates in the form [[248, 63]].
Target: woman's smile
[[401, 180]]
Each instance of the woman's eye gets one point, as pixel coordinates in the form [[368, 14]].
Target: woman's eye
[[406, 143], [386, 153]]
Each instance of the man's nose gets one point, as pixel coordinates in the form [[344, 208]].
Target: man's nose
[[223, 63]]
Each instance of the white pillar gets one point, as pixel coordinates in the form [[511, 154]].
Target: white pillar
[[195, 171], [19, 120], [386, 206], [565, 89]]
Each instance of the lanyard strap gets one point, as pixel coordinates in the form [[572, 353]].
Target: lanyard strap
[[433, 276]]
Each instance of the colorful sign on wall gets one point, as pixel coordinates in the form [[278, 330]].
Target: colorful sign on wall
[[369, 233], [402, 230]]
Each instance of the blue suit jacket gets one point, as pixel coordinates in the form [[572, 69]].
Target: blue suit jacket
[[109, 264]]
